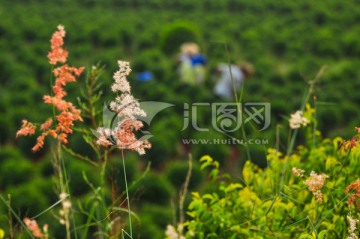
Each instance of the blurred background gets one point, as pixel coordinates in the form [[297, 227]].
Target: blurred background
[[287, 42]]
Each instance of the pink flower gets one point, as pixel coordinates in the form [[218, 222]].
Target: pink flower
[[46, 125], [355, 195], [58, 53], [27, 128], [298, 172], [357, 129], [315, 183], [34, 228], [68, 113]]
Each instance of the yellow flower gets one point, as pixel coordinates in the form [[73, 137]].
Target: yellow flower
[[2, 234]]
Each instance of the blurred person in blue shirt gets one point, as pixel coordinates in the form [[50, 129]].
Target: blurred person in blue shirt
[[192, 64]]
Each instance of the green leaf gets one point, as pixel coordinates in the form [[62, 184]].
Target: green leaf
[[306, 236], [208, 196], [322, 234], [206, 158]]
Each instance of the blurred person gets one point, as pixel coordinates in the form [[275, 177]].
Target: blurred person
[[224, 87], [192, 64]]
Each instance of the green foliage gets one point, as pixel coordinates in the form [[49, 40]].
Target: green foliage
[[209, 139], [78, 185], [286, 41], [176, 174], [28, 199], [163, 148], [274, 202], [157, 214], [115, 171], [9, 153], [148, 229], [174, 34], [155, 189], [15, 171]]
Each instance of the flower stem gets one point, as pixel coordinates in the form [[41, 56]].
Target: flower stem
[[127, 193]]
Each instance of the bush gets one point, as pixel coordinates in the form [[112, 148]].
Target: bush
[[158, 214], [176, 33], [115, 171], [277, 194], [9, 153], [155, 189], [77, 184], [176, 174], [27, 199], [218, 150], [164, 141], [148, 229], [15, 171]]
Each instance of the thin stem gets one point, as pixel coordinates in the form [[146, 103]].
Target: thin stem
[[231, 75], [237, 101], [314, 124], [63, 188], [183, 192], [293, 137], [278, 137], [102, 192], [11, 231], [127, 192], [90, 91], [313, 227]]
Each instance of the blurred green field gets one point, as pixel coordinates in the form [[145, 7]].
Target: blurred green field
[[287, 42]]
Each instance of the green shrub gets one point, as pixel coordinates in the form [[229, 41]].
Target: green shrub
[[176, 174], [115, 171], [155, 189], [15, 171], [75, 169], [276, 198], [27, 199], [148, 229], [174, 34], [10, 153], [218, 149], [158, 214], [164, 141]]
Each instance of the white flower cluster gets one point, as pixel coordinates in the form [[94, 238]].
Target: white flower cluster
[[121, 84], [352, 227], [315, 183], [297, 120], [171, 233], [128, 110]]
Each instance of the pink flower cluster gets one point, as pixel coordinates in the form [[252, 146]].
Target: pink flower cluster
[[34, 228], [315, 184], [127, 110], [58, 53], [347, 145], [68, 112], [354, 190], [298, 172]]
